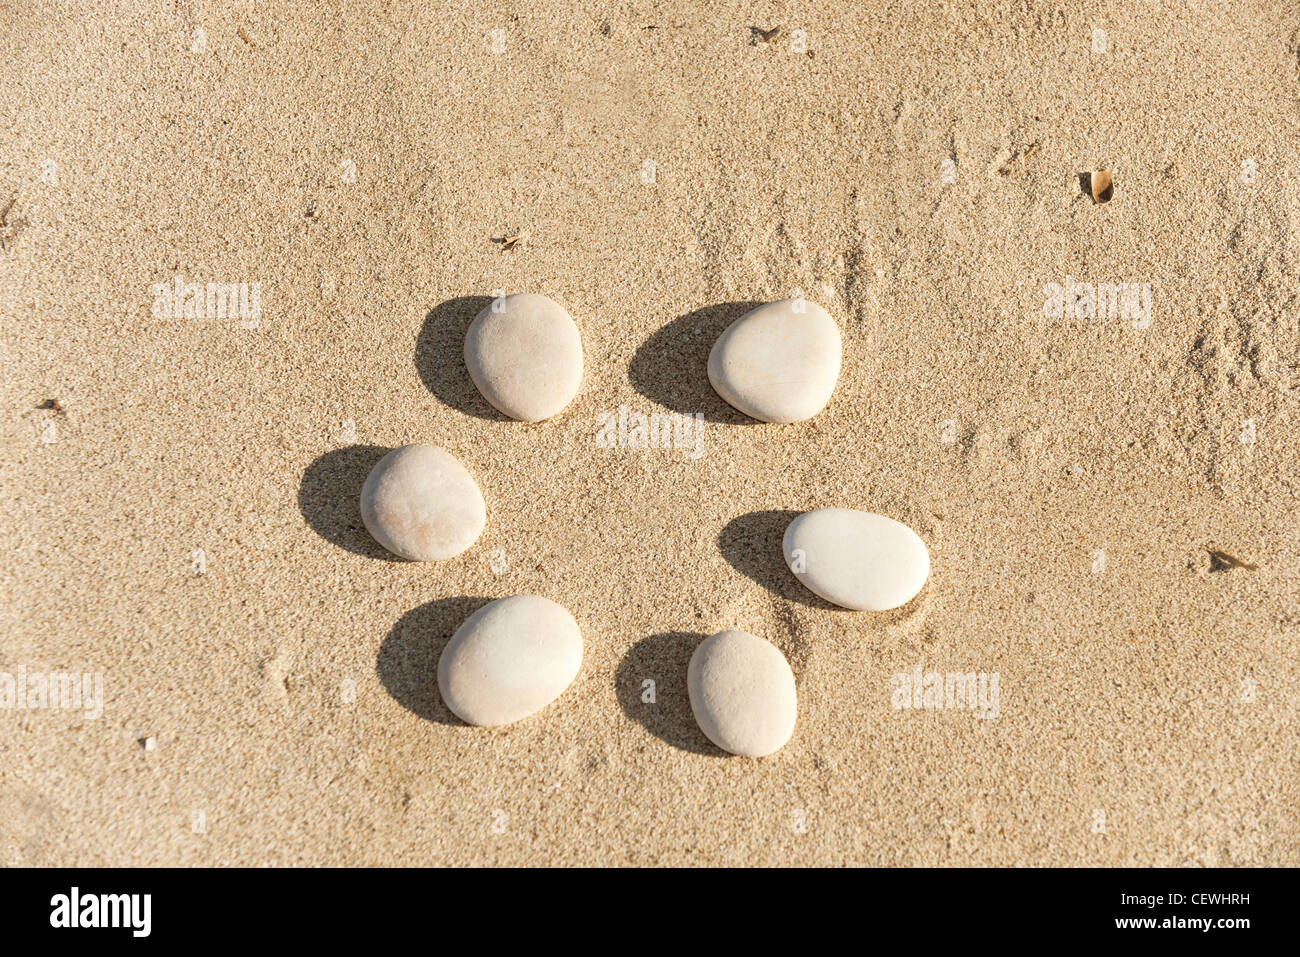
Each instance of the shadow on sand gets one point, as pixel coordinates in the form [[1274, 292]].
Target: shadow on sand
[[671, 368], [408, 658], [663, 659], [329, 497], [440, 357]]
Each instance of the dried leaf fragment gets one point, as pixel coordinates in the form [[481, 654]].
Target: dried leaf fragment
[[510, 242], [1221, 561], [1006, 160], [9, 229]]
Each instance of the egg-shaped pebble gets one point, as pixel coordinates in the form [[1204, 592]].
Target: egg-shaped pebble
[[510, 659], [855, 559], [779, 362], [524, 352], [742, 693], [419, 502]]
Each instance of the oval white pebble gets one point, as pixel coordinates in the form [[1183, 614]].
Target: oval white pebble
[[855, 559], [419, 502], [742, 692], [510, 659], [779, 362], [524, 352]]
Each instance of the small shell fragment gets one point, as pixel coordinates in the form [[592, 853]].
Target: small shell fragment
[[1099, 183]]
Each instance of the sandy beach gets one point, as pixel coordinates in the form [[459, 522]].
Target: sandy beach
[[1089, 411]]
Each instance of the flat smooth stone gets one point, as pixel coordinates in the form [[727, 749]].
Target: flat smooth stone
[[510, 659], [419, 502], [742, 693], [855, 559], [524, 352], [778, 364]]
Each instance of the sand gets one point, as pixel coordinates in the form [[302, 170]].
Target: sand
[[916, 172]]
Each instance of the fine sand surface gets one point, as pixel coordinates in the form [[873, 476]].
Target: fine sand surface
[[915, 171]]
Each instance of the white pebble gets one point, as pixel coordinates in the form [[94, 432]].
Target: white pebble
[[742, 692], [510, 659], [421, 504], [855, 559], [779, 362], [524, 352]]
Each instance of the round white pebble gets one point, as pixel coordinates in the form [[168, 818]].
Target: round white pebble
[[855, 559], [419, 502], [510, 659], [742, 693], [524, 352], [779, 362]]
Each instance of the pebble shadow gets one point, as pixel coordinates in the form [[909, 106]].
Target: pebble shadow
[[751, 544], [663, 659], [329, 497], [440, 357], [407, 665], [671, 368]]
